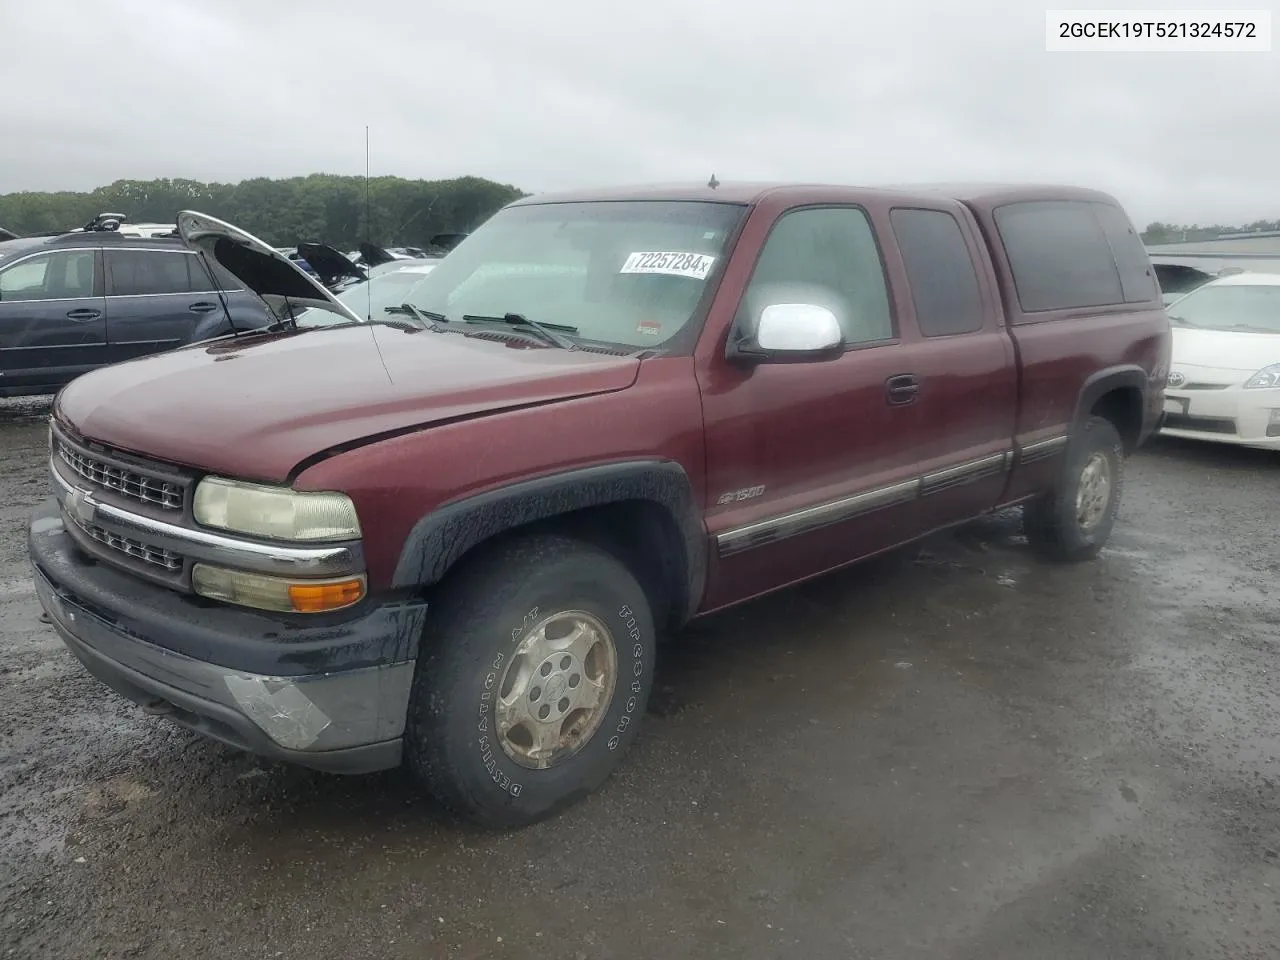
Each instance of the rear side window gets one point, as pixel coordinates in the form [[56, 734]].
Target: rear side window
[[1137, 278], [1059, 255], [226, 280], [148, 272], [944, 284], [826, 256]]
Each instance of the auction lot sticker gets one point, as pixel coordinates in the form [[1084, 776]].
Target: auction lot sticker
[[672, 263]]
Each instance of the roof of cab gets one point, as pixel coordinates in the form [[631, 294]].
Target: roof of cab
[[977, 194]]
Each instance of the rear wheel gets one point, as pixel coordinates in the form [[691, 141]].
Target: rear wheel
[[1075, 520], [531, 682]]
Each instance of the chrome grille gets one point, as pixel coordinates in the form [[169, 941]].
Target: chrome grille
[[166, 559], [125, 482]]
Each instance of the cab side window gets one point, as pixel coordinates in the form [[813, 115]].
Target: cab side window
[[66, 275], [940, 271], [826, 256], [148, 272], [1059, 255]]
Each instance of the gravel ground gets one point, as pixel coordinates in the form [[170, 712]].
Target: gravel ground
[[964, 753]]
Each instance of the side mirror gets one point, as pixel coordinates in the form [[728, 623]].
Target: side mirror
[[791, 332]]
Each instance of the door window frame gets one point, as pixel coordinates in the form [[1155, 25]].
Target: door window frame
[[99, 274], [741, 323], [110, 292]]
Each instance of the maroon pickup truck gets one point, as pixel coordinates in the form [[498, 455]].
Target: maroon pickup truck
[[446, 535]]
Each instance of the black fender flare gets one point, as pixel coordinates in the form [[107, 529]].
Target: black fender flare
[[1104, 381], [442, 536]]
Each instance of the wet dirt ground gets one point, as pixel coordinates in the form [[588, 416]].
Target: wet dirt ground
[[964, 753]]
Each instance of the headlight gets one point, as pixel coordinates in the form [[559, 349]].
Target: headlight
[[1266, 377], [276, 513]]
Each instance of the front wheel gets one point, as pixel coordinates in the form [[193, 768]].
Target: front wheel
[[531, 682], [1074, 521]]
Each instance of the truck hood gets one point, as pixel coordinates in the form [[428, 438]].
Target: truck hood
[[292, 396]]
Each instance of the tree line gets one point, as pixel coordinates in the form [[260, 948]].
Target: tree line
[[332, 209], [321, 207], [1173, 233]]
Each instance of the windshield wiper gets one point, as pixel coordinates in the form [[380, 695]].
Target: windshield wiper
[[1181, 321], [428, 319], [546, 331], [1252, 326]]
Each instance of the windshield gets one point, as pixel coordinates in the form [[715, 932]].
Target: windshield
[[620, 272], [371, 298], [1253, 307]]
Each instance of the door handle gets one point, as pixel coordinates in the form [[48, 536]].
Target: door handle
[[204, 306], [83, 314], [901, 389]]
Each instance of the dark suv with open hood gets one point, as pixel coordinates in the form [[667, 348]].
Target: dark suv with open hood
[[450, 535], [78, 301]]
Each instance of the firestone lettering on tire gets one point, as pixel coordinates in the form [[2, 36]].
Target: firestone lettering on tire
[[628, 617]]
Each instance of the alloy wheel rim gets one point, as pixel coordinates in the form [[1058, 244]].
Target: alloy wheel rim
[[556, 689]]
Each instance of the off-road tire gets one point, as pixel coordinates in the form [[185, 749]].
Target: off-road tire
[[475, 626], [1051, 523]]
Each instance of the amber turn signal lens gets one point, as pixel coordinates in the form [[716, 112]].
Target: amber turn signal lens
[[318, 597], [273, 593]]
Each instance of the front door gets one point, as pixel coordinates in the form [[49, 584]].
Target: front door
[[52, 319], [811, 465]]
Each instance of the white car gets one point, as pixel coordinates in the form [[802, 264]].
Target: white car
[[1224, 379]]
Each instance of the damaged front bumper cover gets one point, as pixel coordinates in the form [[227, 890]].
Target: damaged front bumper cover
[[341, 714]]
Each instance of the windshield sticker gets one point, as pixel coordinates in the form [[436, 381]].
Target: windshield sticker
[[650, 328], [695, 265]]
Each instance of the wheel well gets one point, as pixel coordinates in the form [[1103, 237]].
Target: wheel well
[[642, 534], [1123, 407]]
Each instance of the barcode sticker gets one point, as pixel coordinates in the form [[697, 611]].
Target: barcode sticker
[[694, 265]]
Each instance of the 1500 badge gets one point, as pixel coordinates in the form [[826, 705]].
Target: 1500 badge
[[735, 496]]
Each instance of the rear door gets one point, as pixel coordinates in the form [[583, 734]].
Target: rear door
[[52, 318], [964, 362], [156, 298], [811, 465]]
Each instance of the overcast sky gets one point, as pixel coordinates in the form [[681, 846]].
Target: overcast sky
[[565, 93]]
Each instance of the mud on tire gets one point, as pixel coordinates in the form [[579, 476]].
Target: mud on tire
[[515, 634], [1075, 520]]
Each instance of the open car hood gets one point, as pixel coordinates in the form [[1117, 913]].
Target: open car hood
[[331, 265], [285, 286], [447, 241], [374, 255]]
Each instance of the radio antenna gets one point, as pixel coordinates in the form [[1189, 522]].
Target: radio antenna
[[368, 228]]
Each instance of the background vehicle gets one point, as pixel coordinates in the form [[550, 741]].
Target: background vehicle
[[1224, 384], [451, 538], [293, 254], [386, 286], [1177, 279], [331, 266], [83, 300]]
